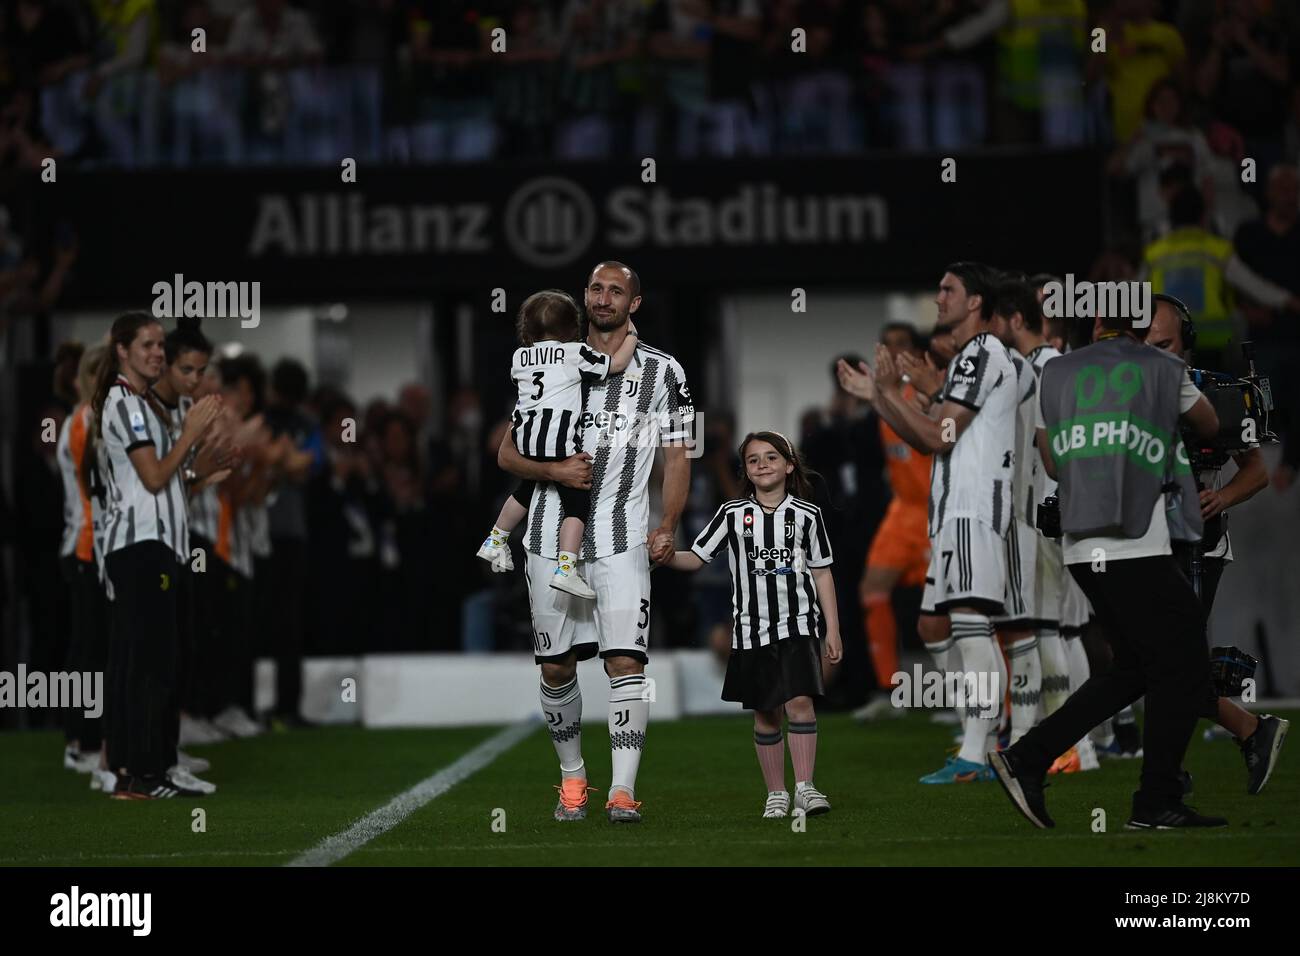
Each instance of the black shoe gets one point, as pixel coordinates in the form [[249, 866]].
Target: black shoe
[[1171, 816], [1261, 750], [1187, 783], [1024, 789], [161, 787]]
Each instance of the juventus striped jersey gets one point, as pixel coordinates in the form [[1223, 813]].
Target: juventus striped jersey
[[974, 480], [1044, 484], [773, 595], [628, 416], [133, 514], [1025, 456], [549, 378]]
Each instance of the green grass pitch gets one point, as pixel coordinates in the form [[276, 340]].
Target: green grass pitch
[[281, 794]]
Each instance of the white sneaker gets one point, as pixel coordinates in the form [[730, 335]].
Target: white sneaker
[[104, 780], [82, 763], [571, 582], [236, 723], [192, 764], [196, 732], [777, 806], [188, 781], [497, 555], [877, 708], [1087, 754], [810, 800]]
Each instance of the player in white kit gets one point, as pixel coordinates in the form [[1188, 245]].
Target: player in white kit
[[628, 417]]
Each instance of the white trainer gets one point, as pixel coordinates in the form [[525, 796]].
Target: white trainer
[[190, 782], [1087, 754], [192, 764], [236, 723], [810, 800], [196, 732], [497, 555], [104, 780], [876, 709], [777, 806], [82, 763], [571, 582]]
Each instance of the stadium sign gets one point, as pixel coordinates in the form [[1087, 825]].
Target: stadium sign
[[401, 232]]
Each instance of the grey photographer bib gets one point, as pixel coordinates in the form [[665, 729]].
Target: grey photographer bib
[[1111, 413]]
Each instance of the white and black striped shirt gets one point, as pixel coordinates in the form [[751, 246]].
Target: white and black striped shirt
[[74, 516], [1044, 484], [974, 480], [773, 594], [549, 378], [628, 416], [133, 514], [1026, 457]]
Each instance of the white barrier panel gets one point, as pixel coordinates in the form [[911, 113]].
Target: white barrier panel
[[445, 690], [700, 676], [322, 689]]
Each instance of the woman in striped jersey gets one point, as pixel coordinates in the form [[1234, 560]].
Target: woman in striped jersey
[[783, 602], [187, 351], [88, 608], [145, 537]]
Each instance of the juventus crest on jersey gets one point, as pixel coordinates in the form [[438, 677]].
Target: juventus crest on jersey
[[627, 417], [974, 480], [772, 554], [549, 378]]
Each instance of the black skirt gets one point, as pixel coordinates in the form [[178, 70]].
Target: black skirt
[[765, 678]]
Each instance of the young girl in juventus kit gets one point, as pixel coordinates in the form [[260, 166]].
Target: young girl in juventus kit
[[549, 372], [145, 539], [783, 601]]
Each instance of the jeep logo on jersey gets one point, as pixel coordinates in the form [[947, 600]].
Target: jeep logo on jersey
[[549, 222], [784, 555]]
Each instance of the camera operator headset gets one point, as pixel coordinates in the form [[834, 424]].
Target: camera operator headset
[[1108, 432], [1173, 331]]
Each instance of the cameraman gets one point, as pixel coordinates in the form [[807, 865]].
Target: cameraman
[[1260, 738], [1112, 410]]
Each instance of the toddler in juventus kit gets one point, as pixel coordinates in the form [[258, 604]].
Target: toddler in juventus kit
[[550, 372]]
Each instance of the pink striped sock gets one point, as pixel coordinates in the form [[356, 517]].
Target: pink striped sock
[[771, 758], [803, 750]]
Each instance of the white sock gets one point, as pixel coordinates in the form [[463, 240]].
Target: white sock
[[1078, 657], [628, 716], [941, 654], [981, 660], [1026, 685], [499, 536], [562, 708], [567, 562], [1055, 663]]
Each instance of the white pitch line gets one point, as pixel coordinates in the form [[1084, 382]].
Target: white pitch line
[[374, 824]]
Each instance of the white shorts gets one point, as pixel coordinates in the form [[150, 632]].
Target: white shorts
[[1075, 609], [616, 623], [1022, 573], [1049, 583], [968, 562]]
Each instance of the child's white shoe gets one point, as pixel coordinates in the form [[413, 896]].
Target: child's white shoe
[[567, 579]]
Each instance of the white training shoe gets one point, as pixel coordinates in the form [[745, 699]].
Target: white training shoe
[[82, 763], [571, 582], [236, 723], [104, 780], [497, 555], [1087, 754], [190, 782], [192, 764], [810, 800], [196, 732], [777, 806], [876, 709]]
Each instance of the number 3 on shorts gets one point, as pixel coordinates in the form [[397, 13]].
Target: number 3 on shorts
[[642, 624]]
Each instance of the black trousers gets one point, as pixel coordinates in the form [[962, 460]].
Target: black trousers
[[1157, 632], [142, 660], [287, 568], [182, 689], [88, 644], [1211, 572], [235, 612]]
